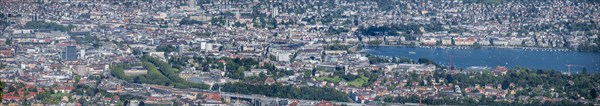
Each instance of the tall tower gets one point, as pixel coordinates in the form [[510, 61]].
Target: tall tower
[[275, 11]]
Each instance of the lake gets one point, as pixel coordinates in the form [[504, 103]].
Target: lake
[[547, 59]]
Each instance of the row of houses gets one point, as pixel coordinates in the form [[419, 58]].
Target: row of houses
[[469, 41]]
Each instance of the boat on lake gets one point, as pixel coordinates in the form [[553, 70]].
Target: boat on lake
[[412, 52]]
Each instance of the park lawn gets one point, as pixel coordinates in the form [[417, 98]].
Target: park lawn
[[359, 82], [335, 79], [59, 95]]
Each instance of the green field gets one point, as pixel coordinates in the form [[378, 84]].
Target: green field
[[359, 82], [335, 79], [356, 82], [59, 95]]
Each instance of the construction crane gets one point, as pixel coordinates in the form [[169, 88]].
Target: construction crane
[[569, 67], [451, 61]]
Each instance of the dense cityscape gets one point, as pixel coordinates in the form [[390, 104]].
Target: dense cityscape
[[292, 52]]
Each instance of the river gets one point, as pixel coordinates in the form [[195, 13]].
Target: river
[[547, 59]]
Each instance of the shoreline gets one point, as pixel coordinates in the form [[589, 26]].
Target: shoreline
[[481, 47], [371, 49]]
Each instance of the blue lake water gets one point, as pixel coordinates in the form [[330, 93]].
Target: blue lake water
[[491, 57]]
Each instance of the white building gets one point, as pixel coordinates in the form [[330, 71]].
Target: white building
[[82, 54], [284, 56]]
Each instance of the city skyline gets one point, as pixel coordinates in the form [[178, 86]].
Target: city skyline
[[299, 52]]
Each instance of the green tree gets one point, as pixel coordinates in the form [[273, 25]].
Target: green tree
[[307, 73], [262, 75], [1, 89], [505, 84], [449, 78], [11, 88], [166, 48], [25, 93], [82, 101], [33, 89], [278, 90], [189, 21], [118, 71], [48, 25], [594, 93], [167, 75], [425, 61], [8, 41]]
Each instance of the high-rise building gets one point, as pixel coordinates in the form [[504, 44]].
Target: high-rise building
[[275, 11], [70, 53], [82, 53]]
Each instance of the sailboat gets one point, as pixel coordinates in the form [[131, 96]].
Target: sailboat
[[412, 52]]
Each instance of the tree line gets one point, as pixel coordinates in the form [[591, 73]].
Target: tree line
[[283, 91], [534, 83], [48, 25], [392, 30]]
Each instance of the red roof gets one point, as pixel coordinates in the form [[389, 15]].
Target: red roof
[[7, 97], [107, 99], [295, 103], [6, 52], [116, 97], [214, 96], [361, 97], [68, 88], [269, 81], [465, 39], [222, 61], [501, 69], [20, 93], [324, 103], [150, 98]]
